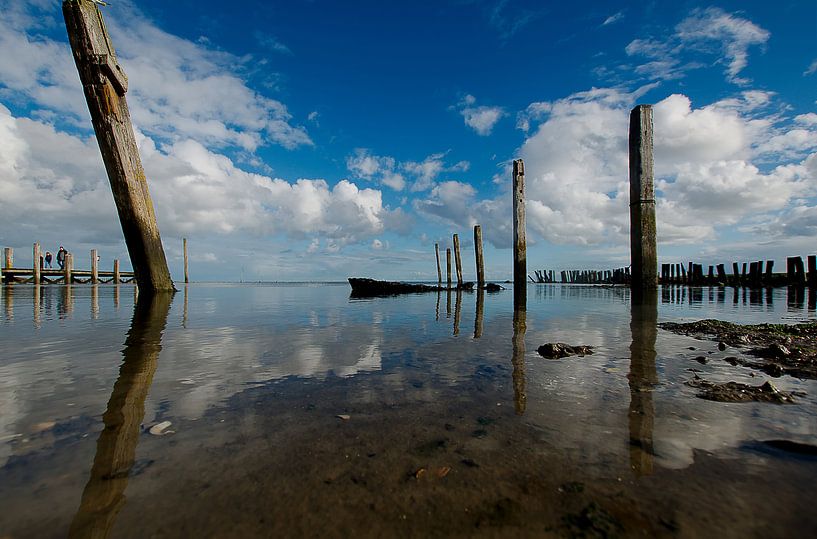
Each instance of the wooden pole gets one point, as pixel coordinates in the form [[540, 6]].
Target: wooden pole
[[439, 271], [116, 277], [36, 268], [458, 260], [186, 274], [9, 258], [94, 267], [69, 268], [479, 256], [520, 251], [104, 83], [643, 252], [448, 265]]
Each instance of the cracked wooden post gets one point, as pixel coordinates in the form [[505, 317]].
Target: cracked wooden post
[[448, 265], [116, 276], [439, 271], [8, 258], [458, 260], [480, 260], [643, 254], [36, 268], [104, 83], [94, 267], [186, 274], [520, 255]]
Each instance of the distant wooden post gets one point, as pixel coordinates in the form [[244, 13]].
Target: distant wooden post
[[37, 269], [104, 83], [69, 268], [458, 260], [479, 257], [735, 273], [643, 253], [812, 270], [116, 277], [94, 267], [9, 258], [186, 274], [520, 250], [439, 271], [448, 265]]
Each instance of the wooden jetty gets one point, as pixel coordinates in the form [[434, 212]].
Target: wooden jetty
[[38, 274]]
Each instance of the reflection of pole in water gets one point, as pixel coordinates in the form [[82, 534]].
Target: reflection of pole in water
[[65, 303], [448, 303], [520, 398], [437, 311], [116, 297], [103, 496], [8, 301], [184, 311], [457, 312], [479, 315], [95, 301], [642, 379], [36, 303]]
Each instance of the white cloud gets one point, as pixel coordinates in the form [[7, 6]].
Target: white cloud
[[50, 178], [481, 119], [613, 18], [811, 69], [709, 31], [387, 171], [178, 89]]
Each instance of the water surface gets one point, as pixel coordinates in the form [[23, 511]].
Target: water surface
[[455, 424]]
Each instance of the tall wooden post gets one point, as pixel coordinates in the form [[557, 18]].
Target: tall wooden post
[[439, 271], [186, 274], [8, 258], [104, 83], [520, 250], [116, 276], [448, 265], [643, 254], [37, 269], [479, 257], [458, 260], [69, 268], [94, 267]]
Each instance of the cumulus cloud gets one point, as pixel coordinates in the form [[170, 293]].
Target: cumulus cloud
[[178, 88], [50, 178], [387, 171], [481, 119], [709, 31]]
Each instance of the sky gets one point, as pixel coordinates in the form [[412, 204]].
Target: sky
[[317, 140]]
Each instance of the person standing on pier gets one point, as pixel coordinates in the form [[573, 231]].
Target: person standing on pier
[[48, 259], [61, 257]]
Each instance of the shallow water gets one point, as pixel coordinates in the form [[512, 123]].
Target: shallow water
[[456, 426]]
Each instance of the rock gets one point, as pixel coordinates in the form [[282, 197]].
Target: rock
[[556, 350], [701, 360], [493, 287], [721, 346], [344, 417], [737, 392]]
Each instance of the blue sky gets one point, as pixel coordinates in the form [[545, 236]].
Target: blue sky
[[314, 140]]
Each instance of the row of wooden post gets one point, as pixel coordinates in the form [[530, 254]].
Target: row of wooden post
[[68, 267], [458, 261], [753, 274]]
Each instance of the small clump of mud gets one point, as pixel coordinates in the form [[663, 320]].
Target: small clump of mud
[[558, 350], [780, 348], [737, 392]]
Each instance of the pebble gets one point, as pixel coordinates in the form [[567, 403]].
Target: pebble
[[159, 429]]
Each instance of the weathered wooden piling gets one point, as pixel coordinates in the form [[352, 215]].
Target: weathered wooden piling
[[722, 273], [480, 261], [94, 267], [735, 274], [643, 253], [116, 275], [186, 274], [69, 268], [37, 268], [104, 83], [520, 254], [8, 257], [439, 271], [812, 270], [448, 265], [458, 260]]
